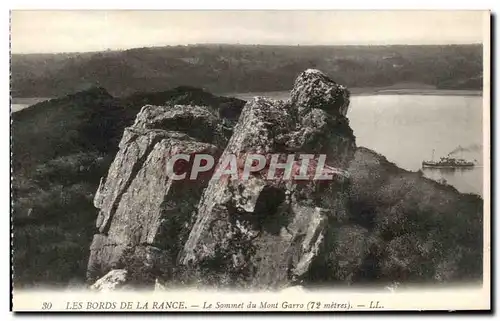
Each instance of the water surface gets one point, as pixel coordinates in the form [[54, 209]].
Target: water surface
[[20, 103], [406, 128]]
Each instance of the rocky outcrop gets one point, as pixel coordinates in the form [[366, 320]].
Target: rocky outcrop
[[254, 232], [268, 233], [313, 89], [143, 214]]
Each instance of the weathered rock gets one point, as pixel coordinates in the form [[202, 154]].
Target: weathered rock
[[113, 280], [142, 211], [268, 233], [255, 232], [198, 121], [313, 89]]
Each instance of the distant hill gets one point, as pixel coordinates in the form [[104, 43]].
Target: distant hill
[[93, 121], [84, 121], [244, 68]]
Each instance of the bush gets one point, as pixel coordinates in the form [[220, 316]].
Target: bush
[[53, 219]]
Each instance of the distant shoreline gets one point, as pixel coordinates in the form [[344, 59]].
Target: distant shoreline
[[403, 91], [373, 92], [29, 101]]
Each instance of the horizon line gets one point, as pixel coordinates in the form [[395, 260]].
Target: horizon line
[[244, 44]]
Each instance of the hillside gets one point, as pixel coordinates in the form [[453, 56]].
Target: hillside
[[403, 212], [244, 68]]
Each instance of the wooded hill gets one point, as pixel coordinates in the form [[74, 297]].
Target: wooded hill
[[222, 68]]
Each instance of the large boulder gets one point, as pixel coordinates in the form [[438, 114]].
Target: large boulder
[[262, 232], [314, 89], [144, 215]]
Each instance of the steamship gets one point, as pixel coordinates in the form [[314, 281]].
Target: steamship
[[447, 162]]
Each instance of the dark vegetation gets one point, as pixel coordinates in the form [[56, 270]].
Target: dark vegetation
[[244, 68], [408, 228]]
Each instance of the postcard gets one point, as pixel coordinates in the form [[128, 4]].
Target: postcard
[[215, 161]]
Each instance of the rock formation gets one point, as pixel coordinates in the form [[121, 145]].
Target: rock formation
[[143, 215], [253, 233], [371, 223], [268, 233]]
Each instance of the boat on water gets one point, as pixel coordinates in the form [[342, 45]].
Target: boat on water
[[447, 162]]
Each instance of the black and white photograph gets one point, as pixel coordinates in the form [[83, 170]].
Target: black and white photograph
[[253, 160]]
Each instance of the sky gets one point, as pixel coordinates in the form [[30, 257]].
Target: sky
[[70, 31]]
